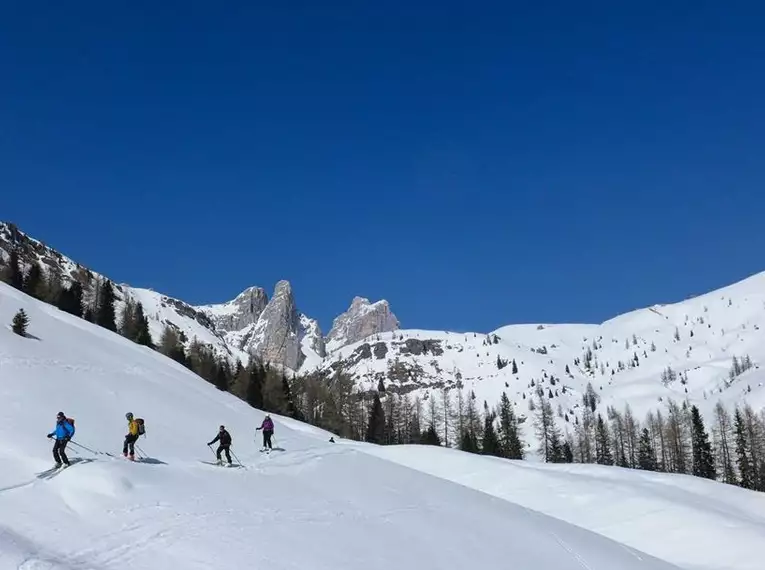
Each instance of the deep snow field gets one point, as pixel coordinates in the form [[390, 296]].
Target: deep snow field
[[315, 505]]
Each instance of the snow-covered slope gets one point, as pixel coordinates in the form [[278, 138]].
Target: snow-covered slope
[[689, 521], [313, 505], [697, 338]]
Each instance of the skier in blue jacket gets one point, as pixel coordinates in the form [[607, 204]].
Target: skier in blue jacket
[[63, 432]]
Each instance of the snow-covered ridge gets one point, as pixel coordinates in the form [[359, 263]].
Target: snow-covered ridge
[[628, 356], [250, 324], [177, 510]]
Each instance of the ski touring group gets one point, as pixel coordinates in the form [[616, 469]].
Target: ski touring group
[[64, 431]]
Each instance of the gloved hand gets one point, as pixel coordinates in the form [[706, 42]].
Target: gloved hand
[[210, 443], [50, 436]]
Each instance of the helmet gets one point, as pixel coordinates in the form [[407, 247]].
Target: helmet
[[222, 428], [129, 416], [60, 415]]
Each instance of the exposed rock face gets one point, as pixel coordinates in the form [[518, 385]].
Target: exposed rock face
[[276, 337], [361, 320], [311, 337], [240, 313]]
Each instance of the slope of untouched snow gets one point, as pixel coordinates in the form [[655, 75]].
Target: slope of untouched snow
[[691, 522], [314, 505]]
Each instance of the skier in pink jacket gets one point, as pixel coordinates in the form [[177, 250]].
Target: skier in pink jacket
[[268, 430]]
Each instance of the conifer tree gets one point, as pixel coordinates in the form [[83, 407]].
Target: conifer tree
[[15, 274], [376, 425], [490, 444], [291, 409], [70, 299], [646, 455], [171, 346], [703, 461], [20, 323], [127, 326], [743, 453], [105, 310], [254, 394], [556, 454], [35, 284], [568, 452], [603, 455], [222, 375], [722, 433], [142, 334], [515, 367], [546, 430], [508, 430], [430, 436]]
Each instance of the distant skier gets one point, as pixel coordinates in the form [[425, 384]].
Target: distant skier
[[268, 430], [225, 443], [128, 448], [63, 432]]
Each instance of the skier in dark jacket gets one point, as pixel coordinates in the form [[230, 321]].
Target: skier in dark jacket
[[268, 430], [63, 432], [225, 443]]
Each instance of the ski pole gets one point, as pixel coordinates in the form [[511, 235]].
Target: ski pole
[[85, 448], [235, 457], [141, 454]]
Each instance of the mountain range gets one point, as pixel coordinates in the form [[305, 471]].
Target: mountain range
[[693, 350]]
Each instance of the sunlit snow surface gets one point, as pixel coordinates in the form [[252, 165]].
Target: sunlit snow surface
[[315, 505]]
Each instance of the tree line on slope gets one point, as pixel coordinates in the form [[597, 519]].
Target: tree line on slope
[[260, 385], [675, 441]]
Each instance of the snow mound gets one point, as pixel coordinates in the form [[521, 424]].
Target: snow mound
[[689, 521]]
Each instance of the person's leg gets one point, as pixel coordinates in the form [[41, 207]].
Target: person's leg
[[265, 439], [62, 451], [228, 454], [56, 456], [131, 446], [269, 440], [125, 445]]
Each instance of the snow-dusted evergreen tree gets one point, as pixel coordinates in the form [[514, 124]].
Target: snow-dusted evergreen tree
[[20, 323]]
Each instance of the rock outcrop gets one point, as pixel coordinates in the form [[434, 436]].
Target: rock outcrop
[[240, 313], [276, 336], [361, 320]]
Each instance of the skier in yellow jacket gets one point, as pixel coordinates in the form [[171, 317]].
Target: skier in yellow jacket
[[131, 437]]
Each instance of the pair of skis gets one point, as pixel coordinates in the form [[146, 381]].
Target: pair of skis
[[56, 470]]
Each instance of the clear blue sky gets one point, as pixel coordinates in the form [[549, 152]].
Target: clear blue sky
[[477, 164]]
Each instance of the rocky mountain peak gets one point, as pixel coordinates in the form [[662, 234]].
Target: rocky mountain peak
[[243, 311], [275, 337], [361, 320]]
